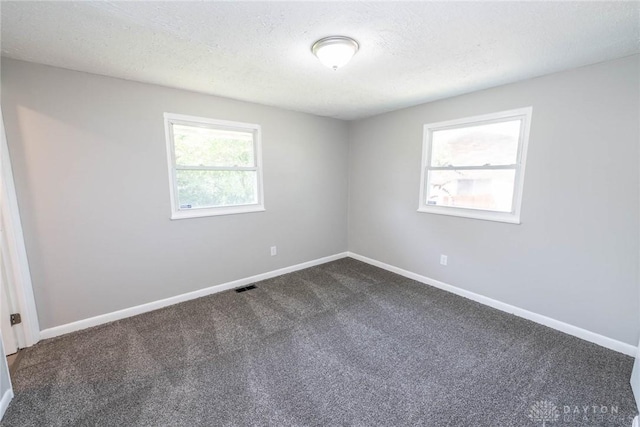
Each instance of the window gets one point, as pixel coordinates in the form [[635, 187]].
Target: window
[[215, 166], [474, 167]]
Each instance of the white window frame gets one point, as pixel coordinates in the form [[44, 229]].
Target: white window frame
[[513, 217], [176, 213]]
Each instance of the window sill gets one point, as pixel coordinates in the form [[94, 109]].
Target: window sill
[[472, 214], [231, 210]]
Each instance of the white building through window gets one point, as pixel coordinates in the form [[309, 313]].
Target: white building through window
[[474, 167], [215, 166]]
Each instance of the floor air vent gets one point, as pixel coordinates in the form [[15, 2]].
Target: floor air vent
[[246, 288]]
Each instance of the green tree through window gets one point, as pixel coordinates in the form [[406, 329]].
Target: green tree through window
[[214, 164]]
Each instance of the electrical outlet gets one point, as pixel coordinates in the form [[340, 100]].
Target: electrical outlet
[[443, 259], [274, 251]]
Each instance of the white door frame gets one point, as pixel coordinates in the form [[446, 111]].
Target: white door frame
[[5, 398], [9, 338], [15, 253]]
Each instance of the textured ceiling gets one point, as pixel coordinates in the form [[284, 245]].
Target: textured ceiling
[[411, 52]]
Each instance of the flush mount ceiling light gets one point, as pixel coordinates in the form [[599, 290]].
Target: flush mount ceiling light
[[335, 51]]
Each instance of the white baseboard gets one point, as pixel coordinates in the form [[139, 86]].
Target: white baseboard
[[567, 328], [139, 309], [584, 334], [4, 402]]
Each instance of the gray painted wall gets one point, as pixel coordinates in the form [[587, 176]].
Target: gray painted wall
[[575, 256], [89, 162]]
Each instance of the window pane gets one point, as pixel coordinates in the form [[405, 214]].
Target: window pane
[[200, 189], [476, 189], [490, 144], [198, 146]]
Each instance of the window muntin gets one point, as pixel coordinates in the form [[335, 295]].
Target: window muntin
[[214, 166], [474, 167]]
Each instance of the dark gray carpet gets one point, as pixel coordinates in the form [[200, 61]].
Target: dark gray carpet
[[343, 343]]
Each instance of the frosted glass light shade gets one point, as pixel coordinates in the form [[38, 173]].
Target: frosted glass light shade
[[335, 51]]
